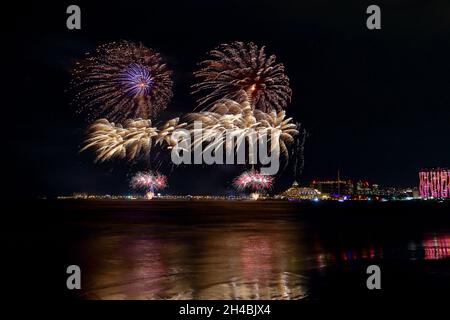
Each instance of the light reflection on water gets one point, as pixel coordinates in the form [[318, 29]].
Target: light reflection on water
[[221, 264], [265, 259], [433, 247]]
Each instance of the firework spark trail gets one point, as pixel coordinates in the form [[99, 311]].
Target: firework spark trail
[[133, 139], [148, 181], [299, 152], [253, 181], [136, 137], [122, 80], [239, 71], [239, 118]]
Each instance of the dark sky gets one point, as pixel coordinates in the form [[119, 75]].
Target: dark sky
[[375, 103]]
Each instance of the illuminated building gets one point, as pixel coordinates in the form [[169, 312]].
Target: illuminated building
[[363, 188], [434, 183], [297, 192], [333, 187]]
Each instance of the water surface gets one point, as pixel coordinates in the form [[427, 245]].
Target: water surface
[[253, 249]]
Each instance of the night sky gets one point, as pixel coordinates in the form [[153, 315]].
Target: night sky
[[376, 104]]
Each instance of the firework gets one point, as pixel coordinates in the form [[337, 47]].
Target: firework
[[135, 138], [240, 119], [148, 181], [122, 80], [253, 181], [239, 71], [277, 122], [298, 152]]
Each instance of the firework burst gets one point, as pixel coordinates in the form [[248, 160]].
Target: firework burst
[[253, 181], [239, 71], [135, 138], [122, 80], [148, 181], [239, 118]]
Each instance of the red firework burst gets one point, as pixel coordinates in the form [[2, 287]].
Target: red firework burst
[[148, 181], [243, 70], [254, 181]]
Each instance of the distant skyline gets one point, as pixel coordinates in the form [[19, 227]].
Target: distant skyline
[[375, 103]]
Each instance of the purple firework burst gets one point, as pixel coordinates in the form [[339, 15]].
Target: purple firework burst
[[136, 80], [120, 81]]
